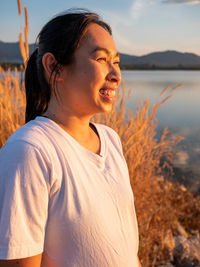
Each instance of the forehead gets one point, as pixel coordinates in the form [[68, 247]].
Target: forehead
[[97, 36]]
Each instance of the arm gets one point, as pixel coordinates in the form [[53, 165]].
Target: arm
[[33, 261], [24, 204]]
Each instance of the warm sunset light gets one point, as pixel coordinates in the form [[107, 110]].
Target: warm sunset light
[[154, 111], [139, 26]]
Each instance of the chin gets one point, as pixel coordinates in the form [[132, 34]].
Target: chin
[[107, 110]]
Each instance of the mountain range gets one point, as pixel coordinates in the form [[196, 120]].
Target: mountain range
[[10, 53], [162, 59]]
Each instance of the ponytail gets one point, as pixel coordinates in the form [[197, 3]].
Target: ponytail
[[37, 90]]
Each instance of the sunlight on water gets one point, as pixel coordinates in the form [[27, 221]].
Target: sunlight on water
[[181, 113], [182, 110]]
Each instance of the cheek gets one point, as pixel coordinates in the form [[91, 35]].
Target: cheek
[[87, 77], [93, 75], [99, 73]]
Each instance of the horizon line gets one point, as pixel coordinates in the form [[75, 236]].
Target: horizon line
[[158, 51]]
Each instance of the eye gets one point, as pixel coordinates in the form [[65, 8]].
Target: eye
[[116, 62], [101, 59]]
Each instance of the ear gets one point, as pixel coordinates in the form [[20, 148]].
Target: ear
[[48, 62]]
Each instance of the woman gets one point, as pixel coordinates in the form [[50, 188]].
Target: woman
[[65, 196]]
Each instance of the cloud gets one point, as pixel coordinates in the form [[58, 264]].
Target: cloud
[[137, 8], [124, 44], [127, 45], [152, 3], [182, 2], [115, 19]]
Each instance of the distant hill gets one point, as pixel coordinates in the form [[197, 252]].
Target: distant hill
[[166, 58], [10, 53]]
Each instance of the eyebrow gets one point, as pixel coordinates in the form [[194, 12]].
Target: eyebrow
[[107, 51]]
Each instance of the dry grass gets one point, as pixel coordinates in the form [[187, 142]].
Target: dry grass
[[159, 204], [12, 104], [12, 91]]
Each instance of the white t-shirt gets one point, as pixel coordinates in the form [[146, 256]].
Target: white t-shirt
[[59, 198]]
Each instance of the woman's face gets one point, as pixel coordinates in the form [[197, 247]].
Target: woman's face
[[89, 84]]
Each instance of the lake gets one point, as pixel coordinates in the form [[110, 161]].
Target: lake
[[181, 113]]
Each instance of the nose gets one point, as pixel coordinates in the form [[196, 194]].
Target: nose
[[114, 74]]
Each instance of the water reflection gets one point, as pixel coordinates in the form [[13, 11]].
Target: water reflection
[[181, 113]]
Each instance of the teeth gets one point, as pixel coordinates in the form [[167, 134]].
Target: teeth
[[107, 92]]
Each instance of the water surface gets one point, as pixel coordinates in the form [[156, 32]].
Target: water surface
[[181, 113]]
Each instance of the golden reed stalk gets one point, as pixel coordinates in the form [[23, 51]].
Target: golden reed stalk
[[24, 48], [26, 28], [26, 17], [26, 42], [19, 7]]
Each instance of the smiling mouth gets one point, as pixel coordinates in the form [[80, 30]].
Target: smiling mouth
[[108, 95], [107, 92]]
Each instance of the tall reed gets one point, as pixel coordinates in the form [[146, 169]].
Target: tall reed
[[12, 103], [24, 46]]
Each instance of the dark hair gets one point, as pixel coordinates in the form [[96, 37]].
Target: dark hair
[[61, 37]]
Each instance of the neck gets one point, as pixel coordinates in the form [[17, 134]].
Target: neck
[[77, 126], [81, 130], [75, 123]]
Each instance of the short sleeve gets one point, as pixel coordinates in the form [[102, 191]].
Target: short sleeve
[[24, 190]]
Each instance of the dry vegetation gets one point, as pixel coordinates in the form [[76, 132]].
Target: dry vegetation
[[12, 104], [160, 205]]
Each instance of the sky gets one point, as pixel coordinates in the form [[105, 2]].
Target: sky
[[139, 26]]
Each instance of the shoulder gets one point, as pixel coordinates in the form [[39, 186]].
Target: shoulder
[[26, 155], [38, 134], [32, 133], [18, 157], [30, 143]]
